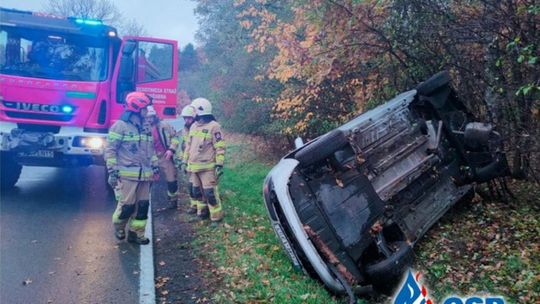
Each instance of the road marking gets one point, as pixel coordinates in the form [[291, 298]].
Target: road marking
[[147, 291]]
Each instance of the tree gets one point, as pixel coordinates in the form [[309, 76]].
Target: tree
[[95, 9], [132, 27], [104, 10]]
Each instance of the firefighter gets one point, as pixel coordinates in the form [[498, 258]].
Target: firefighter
[[204, 155], [165, 147], [188, 114], [132, 165]]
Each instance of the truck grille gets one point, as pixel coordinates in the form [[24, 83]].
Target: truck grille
[[36, 116]]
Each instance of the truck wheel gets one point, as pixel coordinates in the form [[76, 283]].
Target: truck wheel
[[321, 148], [10, 171], [386, 274], [434, 83]]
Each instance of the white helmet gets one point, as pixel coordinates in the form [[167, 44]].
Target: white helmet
[[202, 106], [151, 111], [188, 111]]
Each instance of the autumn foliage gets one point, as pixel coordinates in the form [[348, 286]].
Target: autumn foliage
[[305, 67]]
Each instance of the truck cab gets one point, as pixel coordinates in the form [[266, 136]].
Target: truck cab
[[63, 82]]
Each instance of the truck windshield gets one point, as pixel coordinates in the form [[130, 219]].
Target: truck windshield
[[40, 54]]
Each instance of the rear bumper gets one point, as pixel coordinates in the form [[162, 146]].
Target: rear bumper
[[64, 145], [288, 226]]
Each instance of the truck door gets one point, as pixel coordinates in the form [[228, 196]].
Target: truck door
[[147, 65]]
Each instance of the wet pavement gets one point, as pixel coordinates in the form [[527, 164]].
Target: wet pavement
[[57, 243]]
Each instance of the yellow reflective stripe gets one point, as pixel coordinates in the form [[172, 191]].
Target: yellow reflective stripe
[[112, 136], [175, 141], [111, 161], [115, 218], [154, 158], [144, 173], [193, 203], [199, 166], [137, 224], [200, 134], [220, 158], [184, 137], [200, 204], [220, 144], [214, 209], [141, 137], [171, 193]]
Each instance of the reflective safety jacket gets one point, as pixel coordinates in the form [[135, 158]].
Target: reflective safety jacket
[[205, 147], [130, 150]]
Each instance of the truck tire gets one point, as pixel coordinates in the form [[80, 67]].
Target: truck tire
[[10, 171], [321, 148], [434, 83]]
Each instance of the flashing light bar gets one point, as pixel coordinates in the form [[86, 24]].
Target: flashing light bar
[[88, 21]]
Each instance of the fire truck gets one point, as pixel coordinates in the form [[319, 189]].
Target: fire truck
[[63, 81]]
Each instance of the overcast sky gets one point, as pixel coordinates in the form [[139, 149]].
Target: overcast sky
[[171, 19]]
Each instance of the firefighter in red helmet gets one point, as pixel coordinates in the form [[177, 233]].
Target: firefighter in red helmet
[[132, 165]]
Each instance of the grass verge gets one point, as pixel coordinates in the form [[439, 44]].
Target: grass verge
[[244, 250]]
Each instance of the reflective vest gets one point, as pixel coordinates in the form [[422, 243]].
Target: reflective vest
[[130, 151], [205, 147]]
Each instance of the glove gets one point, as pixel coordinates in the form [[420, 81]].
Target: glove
[[219, 170], [155, 170], [114, 175], [169, 154]]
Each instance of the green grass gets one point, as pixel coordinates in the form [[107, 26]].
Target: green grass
[[245, 251]]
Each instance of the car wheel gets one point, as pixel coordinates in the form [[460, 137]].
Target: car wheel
[[386, 274], [321, 148], [434, 83]]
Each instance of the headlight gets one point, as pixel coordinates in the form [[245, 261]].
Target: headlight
[[90, 142]]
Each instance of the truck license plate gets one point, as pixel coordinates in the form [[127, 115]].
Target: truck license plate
[[38, 153]]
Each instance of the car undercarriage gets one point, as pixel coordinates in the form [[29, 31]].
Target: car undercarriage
[[350, 205]]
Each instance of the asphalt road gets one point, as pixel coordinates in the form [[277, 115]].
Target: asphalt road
[[57, 243]]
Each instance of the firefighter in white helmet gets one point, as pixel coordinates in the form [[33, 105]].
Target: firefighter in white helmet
[[165, 146], [204, 155], [188, 114]]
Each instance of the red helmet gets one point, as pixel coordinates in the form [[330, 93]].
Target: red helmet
[[135, 101]]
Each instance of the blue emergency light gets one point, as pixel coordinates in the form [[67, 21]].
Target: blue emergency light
[[88, 21], [67, 109]]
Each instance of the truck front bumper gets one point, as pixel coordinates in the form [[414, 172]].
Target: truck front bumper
[[69, 146]]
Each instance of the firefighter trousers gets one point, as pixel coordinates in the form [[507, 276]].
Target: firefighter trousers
[[205, 194], [167, 168], [132, 207]]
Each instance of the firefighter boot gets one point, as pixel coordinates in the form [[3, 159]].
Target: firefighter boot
[[120, 233], [193, 207], [134, 238], [202, 211]]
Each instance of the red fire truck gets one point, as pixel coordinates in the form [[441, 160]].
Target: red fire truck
[[63, 83]]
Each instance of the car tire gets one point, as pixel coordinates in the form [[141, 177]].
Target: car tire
[[434, 83], [321, 148], [10, 171], [386, 274]]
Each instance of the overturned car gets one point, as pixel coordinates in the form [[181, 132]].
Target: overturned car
[[349, 206]]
